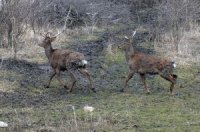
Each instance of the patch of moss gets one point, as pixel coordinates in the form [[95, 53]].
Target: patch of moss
[[113, 58], [87, 38]]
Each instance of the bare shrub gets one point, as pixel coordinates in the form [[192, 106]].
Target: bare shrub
[[176, 16]]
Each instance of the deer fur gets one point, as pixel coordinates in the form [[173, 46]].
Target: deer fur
[[146, 64], [65, 60]]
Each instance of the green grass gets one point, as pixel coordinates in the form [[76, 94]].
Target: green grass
[[117, 57], [88, 38], [114, 111]]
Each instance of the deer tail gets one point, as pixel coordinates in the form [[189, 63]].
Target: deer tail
[[174, 64], [83, 63]]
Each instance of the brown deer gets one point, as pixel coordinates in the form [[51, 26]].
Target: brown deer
[[146, 64], [65, 60]]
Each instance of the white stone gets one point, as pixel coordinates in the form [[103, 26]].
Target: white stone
[[88, 108], [3, 124]]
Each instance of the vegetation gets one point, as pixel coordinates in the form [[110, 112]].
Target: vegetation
[[95, 28]]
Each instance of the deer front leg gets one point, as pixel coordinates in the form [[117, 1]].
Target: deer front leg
[[173, 82], [130, 75], [59, 79], [88, 76], [54, 73], [143, 77], [172, 89], [73, 81]]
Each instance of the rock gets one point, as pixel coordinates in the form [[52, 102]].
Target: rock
[[3, 124], [88, 108]]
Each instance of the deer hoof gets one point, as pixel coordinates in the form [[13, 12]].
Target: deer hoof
[[93, 89], [148, 92], [46, 86], [69, 91], [175, 94], [121, 90], [66, 87]]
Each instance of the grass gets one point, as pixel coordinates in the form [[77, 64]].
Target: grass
[[36, 109], [114, 58], [27, 106]]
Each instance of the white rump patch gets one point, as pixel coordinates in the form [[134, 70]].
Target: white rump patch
[[84, 62], [174, 65]]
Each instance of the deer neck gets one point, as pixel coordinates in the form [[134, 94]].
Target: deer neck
[[49, 51], [130, 51]]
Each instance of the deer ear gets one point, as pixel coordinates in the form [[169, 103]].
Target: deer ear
[[134, 32], [53, 38]]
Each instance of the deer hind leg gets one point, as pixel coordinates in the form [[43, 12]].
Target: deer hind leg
[[51, 77], [130, 75], [73, 81], [88, 76], [171, 78], [143, 77], [60, 79]]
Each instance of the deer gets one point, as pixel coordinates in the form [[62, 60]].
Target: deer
[[65, 60], [144, 64]]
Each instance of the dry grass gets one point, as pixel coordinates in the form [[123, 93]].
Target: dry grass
[[188, 47]]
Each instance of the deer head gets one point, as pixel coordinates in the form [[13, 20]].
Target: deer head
[[128, 43], [127, 46], [47, 40]]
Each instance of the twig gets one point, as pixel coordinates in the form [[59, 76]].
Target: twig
[[75, 118], [1, 62]]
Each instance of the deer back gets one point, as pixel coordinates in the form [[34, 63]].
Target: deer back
[[143, 63]]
